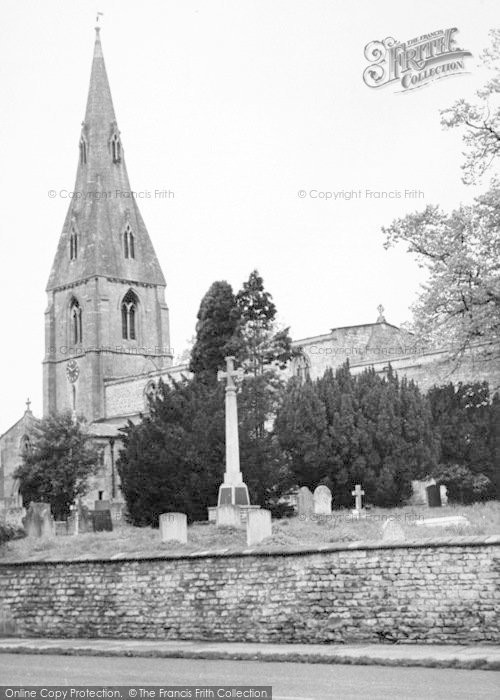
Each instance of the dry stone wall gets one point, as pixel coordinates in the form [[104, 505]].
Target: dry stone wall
[[444, 591]]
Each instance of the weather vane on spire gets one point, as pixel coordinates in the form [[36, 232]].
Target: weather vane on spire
[[99, 14]]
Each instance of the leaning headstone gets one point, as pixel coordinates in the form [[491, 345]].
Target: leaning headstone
[[322, 500], [392, 531], [38, 521], [101, 520], [228, 516], [173, 527], [305, 502], [259, 526]]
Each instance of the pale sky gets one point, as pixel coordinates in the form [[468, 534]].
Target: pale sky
[[234, 107]]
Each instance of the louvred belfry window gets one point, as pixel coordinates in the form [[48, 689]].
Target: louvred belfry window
[[129, 313], [128, 243], [83, 150], [73, 244], [76, 322], [116, 148]]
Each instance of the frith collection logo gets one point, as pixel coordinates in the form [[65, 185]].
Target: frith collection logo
[[416, 62]]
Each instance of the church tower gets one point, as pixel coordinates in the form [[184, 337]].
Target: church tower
[[106, 315]]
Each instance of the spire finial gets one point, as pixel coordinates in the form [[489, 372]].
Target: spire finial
[[381, 317], [28, 404], [97, 27]]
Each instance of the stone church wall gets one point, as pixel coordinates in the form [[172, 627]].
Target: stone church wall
[[442, 591], [11, 445], [127, 397]]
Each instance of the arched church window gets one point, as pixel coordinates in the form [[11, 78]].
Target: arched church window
[[129, 314], [73, 244], [76, 322], [26, 445], [302, 367], [128, 243], [150, 393], [83, 150], [116, 148]]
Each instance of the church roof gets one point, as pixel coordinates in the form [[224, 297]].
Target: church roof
[[103, 206]]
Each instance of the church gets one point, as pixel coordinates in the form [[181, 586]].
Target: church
[[107, 334]]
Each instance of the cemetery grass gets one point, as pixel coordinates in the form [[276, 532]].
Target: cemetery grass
[[288, 533]]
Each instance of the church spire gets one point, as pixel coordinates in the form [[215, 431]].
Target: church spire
[[103, 208], [106, 315]]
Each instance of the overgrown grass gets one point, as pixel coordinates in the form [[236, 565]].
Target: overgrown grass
[[126, 540]]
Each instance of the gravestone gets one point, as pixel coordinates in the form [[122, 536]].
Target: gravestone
[[60, 528], [305, 502], [444, 494], [14, 516], [81, 520], [102, 505], [85, 520], [228, 516], [101, 521], [322, 500], [259, 526], [448, 521], [38, 521], [359, 511], [433, 496], [173, 527], [392, 531], [419, 495], [117, 509]]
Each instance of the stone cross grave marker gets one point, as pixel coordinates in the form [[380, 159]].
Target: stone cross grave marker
[[259, 526], [305, 502], [322, 500], [358, 493], [233, 490], [173, 527]]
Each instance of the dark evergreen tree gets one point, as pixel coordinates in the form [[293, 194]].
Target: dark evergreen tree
[[266, 474], [373, 430], [217, 331], [494, 444], [263, 344], [467, 420], [174, 459], [302, 431], [58, 463]]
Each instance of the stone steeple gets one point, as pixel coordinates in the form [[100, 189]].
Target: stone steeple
[[106, 317], [103, 205]]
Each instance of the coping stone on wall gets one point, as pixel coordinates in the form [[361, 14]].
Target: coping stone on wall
[[421, 543]]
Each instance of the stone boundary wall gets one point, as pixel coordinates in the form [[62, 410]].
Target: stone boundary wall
[[444, 591]]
